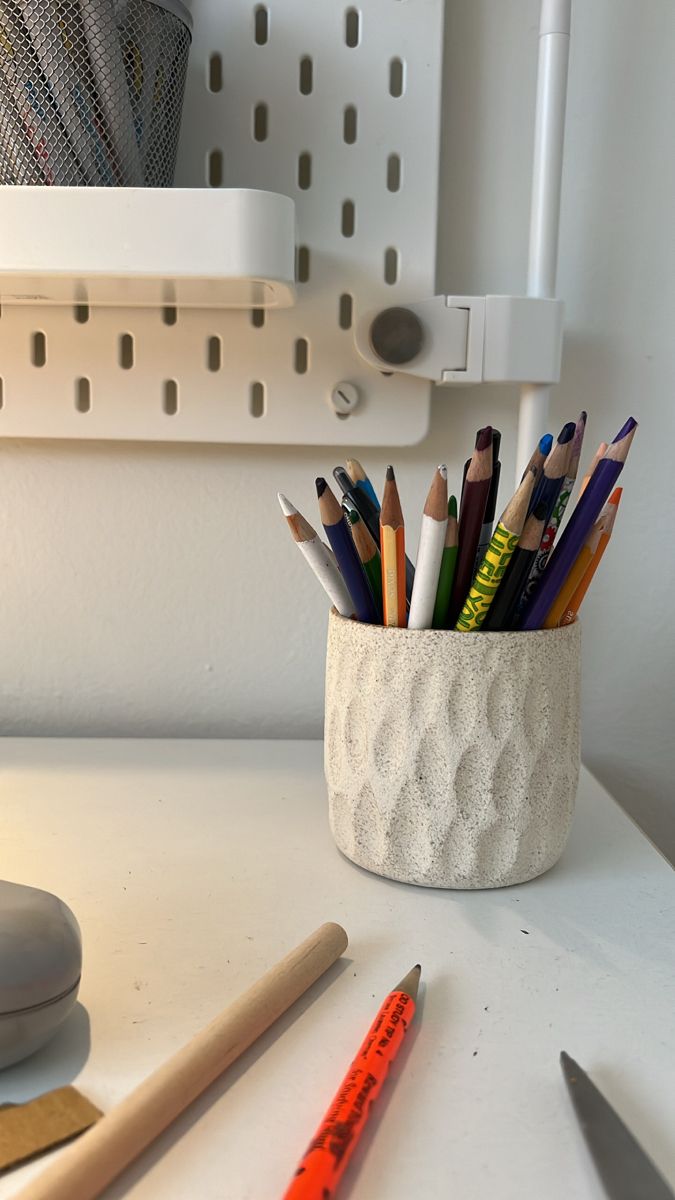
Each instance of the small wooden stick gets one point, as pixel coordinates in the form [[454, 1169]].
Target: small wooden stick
[[88, 1166]]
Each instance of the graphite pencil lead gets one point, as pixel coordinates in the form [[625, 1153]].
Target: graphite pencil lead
[[410, 982]]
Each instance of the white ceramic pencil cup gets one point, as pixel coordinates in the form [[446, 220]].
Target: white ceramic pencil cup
[[452, 759]]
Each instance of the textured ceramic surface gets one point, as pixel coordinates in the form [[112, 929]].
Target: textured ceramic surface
[[452, 759]]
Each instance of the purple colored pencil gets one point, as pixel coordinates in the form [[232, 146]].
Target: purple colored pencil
[[583, 518]]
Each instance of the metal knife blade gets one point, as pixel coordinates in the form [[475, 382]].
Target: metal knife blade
[[624, 1168]]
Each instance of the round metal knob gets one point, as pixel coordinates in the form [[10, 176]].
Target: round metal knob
[[397, 336]]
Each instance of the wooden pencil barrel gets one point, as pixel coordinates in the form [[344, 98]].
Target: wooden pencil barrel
[[452, 759]]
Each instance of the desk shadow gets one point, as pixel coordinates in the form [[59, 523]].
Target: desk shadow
[[52, 1066], [182, 1125]]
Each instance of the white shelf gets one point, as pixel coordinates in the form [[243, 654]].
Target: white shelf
[[188, 247]]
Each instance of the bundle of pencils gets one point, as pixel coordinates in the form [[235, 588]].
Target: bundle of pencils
[[470, 575]]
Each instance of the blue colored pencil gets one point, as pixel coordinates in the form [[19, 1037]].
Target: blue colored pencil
[[342, 543], [555, 470], [586, 513], [360, 480]]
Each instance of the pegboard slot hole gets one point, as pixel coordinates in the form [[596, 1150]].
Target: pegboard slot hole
[[394, 173], [352, 27], [126, 351], [260, 122], [305, 170], [257, 318], [170, 397], [392, 265], [302, 264], [256, 399], [83, 395], [214, 353], [169, 314], [38, 348], [350, 124], [81, 313], [306, 82], [261, 25], [215, 73], [346, 311], [214, 168], [396, 78], [301, 356], [348, 224]]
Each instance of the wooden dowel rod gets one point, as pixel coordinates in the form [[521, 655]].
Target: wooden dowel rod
[[84, 1169]]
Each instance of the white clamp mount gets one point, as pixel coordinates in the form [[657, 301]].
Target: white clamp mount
[[466, 339]]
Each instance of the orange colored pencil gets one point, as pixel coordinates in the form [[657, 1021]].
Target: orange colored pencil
[[331, 1147], [583, 564], [392, 549], [570, 613]]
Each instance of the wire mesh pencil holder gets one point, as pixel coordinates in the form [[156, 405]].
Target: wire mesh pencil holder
[[452, 759], [91, 91]]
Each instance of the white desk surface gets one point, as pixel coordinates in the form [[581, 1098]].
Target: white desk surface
[[193, 866]]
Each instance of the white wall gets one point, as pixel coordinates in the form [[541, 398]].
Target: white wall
[[153, 590]]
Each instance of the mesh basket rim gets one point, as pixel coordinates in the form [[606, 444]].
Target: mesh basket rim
[[178, 9]]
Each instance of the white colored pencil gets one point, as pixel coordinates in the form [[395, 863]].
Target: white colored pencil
[[430, 552], [320, 558]]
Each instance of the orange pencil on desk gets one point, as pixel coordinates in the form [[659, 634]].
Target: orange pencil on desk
[[331, 1147], [392, 549]]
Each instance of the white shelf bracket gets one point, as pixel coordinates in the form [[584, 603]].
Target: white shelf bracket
[[458, 340]]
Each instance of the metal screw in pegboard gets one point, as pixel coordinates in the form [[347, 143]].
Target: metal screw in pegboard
[[344, 398]]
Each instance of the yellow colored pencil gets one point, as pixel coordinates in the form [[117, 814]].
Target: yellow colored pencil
[[392, 549], [497, 557]]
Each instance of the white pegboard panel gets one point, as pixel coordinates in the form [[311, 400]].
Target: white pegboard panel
[[338, 107]]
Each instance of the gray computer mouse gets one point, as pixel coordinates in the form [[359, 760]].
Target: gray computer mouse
[[40, 967]]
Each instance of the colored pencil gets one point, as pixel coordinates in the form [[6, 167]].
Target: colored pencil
[[555, 469], [430, 552], [471, 513], [392, 546], [360, 480], [369, 554], [504, 607], [497, 557], [361, 501], [447, 571], [491, 506], [586, 513], [598, 455], [340, 538], [84, 1170], [553, 520], [569, 598], [331, 1147], [319, 557], [539, 457]]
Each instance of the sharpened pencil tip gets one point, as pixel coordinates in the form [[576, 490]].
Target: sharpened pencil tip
[[567, 432], [545, 443], [452, 506], [631, 424], [390, 474], [288, 509], [410, 982], [443, 471], [484, 438], [583, 416], [321, 485]]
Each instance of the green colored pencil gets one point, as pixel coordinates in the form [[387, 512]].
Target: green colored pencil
[[369, 554], [447, 575]]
